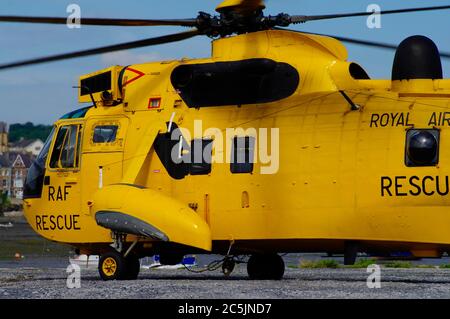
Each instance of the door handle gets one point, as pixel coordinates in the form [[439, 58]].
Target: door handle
[[71, 180]]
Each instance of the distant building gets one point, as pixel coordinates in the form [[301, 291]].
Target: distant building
[[3, 137], [5, 174], [23, 146], [15, 160], [19, 169], [13, 171]]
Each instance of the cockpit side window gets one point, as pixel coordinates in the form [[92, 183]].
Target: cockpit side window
[[66, 148], [59, 142], [105, 133]]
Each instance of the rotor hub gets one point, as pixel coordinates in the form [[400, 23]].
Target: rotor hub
[[234, 22]]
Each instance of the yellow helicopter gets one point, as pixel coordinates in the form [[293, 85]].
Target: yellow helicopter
[[274, 144]]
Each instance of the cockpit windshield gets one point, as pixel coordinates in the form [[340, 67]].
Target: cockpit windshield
[[35, 177]]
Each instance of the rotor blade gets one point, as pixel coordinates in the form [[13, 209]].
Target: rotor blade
[[374, 44], [381, 45], [102, 21], [111, 48], [301, 19]]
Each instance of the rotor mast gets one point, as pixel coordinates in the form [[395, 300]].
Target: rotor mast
[[242, 6]]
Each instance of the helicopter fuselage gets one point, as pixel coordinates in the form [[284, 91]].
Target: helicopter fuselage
[[330, 149]]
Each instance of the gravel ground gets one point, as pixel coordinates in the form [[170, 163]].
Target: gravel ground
[[41, 273], [179, 284]]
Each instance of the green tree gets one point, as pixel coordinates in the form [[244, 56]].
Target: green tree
[[4, 202], [28, 131]]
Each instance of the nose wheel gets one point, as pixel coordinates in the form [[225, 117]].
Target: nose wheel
[[265, 267], [114, 266]]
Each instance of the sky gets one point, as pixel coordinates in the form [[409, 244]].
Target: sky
[[41, 94]]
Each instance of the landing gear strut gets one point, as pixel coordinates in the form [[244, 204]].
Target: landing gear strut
[[118, 264], [228, 266], [350, 252], [265, 267], [114, 266]]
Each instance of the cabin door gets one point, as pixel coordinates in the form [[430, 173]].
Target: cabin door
[[62, 182], [102, 158]]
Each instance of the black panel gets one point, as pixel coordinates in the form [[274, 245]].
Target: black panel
[[164, 144], [96, 83], [417, 57], [235, 83]]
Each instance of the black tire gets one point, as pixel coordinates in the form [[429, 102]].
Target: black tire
[[112, 266], [277, 267], [254, 267], [265, 267], [133, 266]]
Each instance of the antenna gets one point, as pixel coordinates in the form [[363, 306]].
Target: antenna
[[169, 127]]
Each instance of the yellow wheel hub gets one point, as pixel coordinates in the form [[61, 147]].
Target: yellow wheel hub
[[109, 266]]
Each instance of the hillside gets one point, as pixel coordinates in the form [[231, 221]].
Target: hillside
[[28, 131]]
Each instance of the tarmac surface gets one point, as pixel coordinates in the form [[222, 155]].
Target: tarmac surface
[[51, 283], [40, 273]]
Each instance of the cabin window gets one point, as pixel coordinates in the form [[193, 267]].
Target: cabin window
[[105, 133], [422, 147], [242, 155], [66, 148], [201, 156]]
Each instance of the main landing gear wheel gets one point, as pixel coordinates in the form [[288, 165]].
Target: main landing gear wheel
[[265, 267], [113, 266]]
